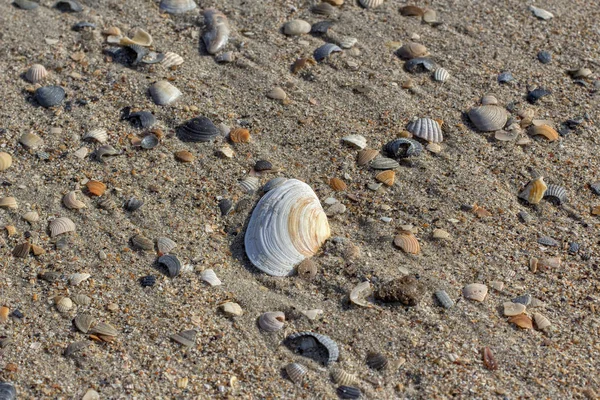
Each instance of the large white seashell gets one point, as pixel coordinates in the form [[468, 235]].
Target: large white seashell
[[164, 93], [36, 73], [488, 118], [217, 30], [287, 226], [61, 225], [172, 60], [426, 128]]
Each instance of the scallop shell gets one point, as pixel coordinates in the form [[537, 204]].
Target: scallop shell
[[386, 177], [104, 329], [444, 299], [163, 93], [271, 321], [287, 226], [5, 161], [31, 140], [541, 322], [82, 300], [21, 250], [441, 75], [232, 309], [356, 141], [249, 184], [475, 291], [177, 6], [199, 129], [95, 188], [544, 130], [209, 276], [217, 30], [376, 361], [273, 183], [61, 226], [296, 372], [98, 134], [534, 191], [360, 292], [557, 193], [370, 3], [165, 245], [8, 202], [171, 60], [63, 304], [406, 241], [84, 322], [383, 163], [488, 118], [71, 202], [76, 279], [411, 50], [341, 377], [309, 345], [239, 135], [36, 73], [49, 96], [403, 147], [142, 243], [31, 216], [325, 51], [427, 129], [171, 264]]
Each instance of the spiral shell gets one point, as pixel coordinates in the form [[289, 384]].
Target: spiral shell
[[209, 276], [325, 51], [49, 96], [163, 93], [544, 130], [534, 191], [63, 304], [441, 75], [217, 30], [172, 60], [475, 291], [177, 6], [296, 372], [165, 245], [365, 156], [61, 226], [5, 161], [370, 3], [71, 202], [199, 129], [287, 226], [411, 50], [271, 321], [36, 73], [406, 241], [311, 344], [341, 377], [488, 117], [427, 129]]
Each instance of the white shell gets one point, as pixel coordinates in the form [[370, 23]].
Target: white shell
[[488, 118], [172, 60], [81, 153], [5, 161], [209, 276], [511, 309], [441, 75], [370, 3], [36, 73], [489, 100], [312, 314], [31, 216], [61, 225], [426, 128], [31, 140], [8, 202], [271, 321], [165, 245], [232, 309], [99, 135], [82, 300], [63, 304], [76, 279], [360, 293], [475, 291], [71, 202], [296, 372], [541, 322], [343, 378], [287, 226], [541, 13], [250, 184], [163, 93], [357, 141]]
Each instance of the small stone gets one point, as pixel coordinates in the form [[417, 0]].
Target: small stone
[[91, 394], [524, 299], [277, 93], [330, 201], [497, 285], [337, 208], [296, 27], [148, 281], [406, 290], [545, 57], [232, 309], [263, 165], [440, 234]]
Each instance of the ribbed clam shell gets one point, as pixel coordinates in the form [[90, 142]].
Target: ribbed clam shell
[[323, 8], [31, 216], [488, 118], [360, 292], [170, 264], [22, 250], [177, 6], [5, 161], [324, 51], [60, 226], [36, 73], [186, 338], [489, 100], [63, 304], [403, 147], [376, 360], [427, 129], [217, 30], [370, 3], [250, 184], [534, 191], [271, 321], [444, 299], [356, 141], [541, 322], [307, 344], [475, 291], [102, 328], [49, 96], [133, 204], [71, 202], [84, 322], [296, 372], [165, 245], [77, 278], [383, 163], [142, 243], [31, 140], [26, 5], [68, 6], [337, 184], [95, 188], [142, 119], [411, 50], [406, 241], [8, 202], [558, 193], [343, 378], [441, 75], [273, 183], [386, 177], [239, 135], [82, 300], [163, 93], [419, 64], [199, 129], [287, 226], [366, 155], [172, 60], [544, 130], [97, 134], [209, 276]]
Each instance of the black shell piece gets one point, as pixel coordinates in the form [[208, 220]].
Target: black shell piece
[[545, 57], [148, 280], [7, 391], [376, 361], [142, 119], [419, 64], [135, 53], [133, 204], [536, 94], [403, 148], [321, 27], [319, 347], [226, 206], [49, 96], [573, 247], [171, 264], [548, 241], [68, 6], [348, 392], [26, 4], [263, 165], [325, 51], [199, 129], [78, 27]]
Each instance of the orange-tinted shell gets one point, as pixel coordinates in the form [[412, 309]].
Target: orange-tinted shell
[[411, 11], [406, 241], [534, 191], [239, 135], [366, 155], [96, 188], [184, 156], [4, 313], [545, 130], [337, 184], [386, 177], [522, 321]]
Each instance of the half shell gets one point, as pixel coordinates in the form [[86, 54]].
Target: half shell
[[170, 264], [217, 30], [370, 3], [360, 292], [325, 51], [366, 155], [5, 161], [8, 202], [31, 141], [84, 322], [60, 226], [287, 226], [71, 202], [199, 129], [98, 134], [310, 344], [427, 129], [209, 276], [534, 191], [36, 73], [296, 372], [441, 75], [384, 163], [544, 130], [411, 50], [488, 118], [341, 377], [541, 322], [386, 177], [163, 93], [239, 135], [557, 193], [475, 291], [357, 141], [165, 245], [31, 216], [406, 241], [76, 279], [63, 304], [403, 147], [271, 321], [177, 6]]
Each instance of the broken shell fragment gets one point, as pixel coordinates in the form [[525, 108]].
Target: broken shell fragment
[[170, 264], [31, 141], [406, 241], [84, 322], [314, 345], [95, 188], [383, 163], [376, 361], [239, 135], [171, 60], [367, 155], [141, 242], [31, 216], [411, 50], [209, 276], [444, 299], [360, 292], [165, 245], [271, 321], [348, 392], [488, 359], [427, 129], [296, 372], [337, 184], [99, 135], [104, 329], [419, 64], [82, 300], [217, 30], [341, 377], [386, 177], [21, 250], [185, 338], [177, 6], [403, 148], [163, 93], [5, 161], [511, 309], [541, 322], [534, 191], [325, 51], [556, 193], [356, 141], [522, 321], [76, 279], [544, 130], [71, 201], [8, 202], [475, 291], [61, 226], [36, 73]]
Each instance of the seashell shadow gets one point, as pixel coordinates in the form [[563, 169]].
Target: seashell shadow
[[236, 247]]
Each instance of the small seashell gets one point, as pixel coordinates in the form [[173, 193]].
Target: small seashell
[[440, 234], [5, 161], [325, 51], [184, 156], [580, 73], [104, 329], [273, 183], [523, 299], [376, 361], [296, 27], [163, 93], [36, 73], [95, 188], [148, 281], [522, 321], [68, 6], [25, 5], [370, 3], [324, 9], [386, 177], [488, 117], [84, 322], [105, 151], [307, 269], [171, 264], [441, 75], [475, 291], [506, 136], [419, 64], [541, 322], [249, 184], [21, 250], [337, 184], [411, 50], [63, 304], [239, 135], [142, 119], [209, 276], [177, 6], [367, 155], [356, 141], [430, 17], [489, 100], [199, 129], [71, 202], [31, 216], [61, 226], [548, 241], [309, 344], [49, 96], [4, 313], [171, 60], [511, 309], [545, 57], [31, 141], [142, 243], [403, 148], [140, 38], [296, 372], [81, 153], [544, 130], [383, 163], [557, 193], [232, 309], [271, 321], [406, 241], [217, 30], [133, 204], [263, 165], [411, 11], [343, 378], [76, 347], [186, 338], [226, 206], [427, 129], [360, 292], [541, 13], [348, 392], [488, 359], [444, 299], [534, 191], [82, 300], [76, 279], [165, 245], [182, 383], [8, 202]]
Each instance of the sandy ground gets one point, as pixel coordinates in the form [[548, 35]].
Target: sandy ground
[[432, 352]]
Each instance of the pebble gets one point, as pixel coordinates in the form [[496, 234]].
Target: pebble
[[337, 208], [545, 57], [296, 27], [523, 299]]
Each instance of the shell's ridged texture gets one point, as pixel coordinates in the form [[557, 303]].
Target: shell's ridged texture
[[177, 6], [76, 279], [357, 141], [133, 204], [427, 129], [534, 191], [163, 93], [172, 60], [383, 163], [557, 192], [31, 140], [308, 343], [217, 31], [239, 135], [102, 328], [341, 377], [407, 242], [376, 360], [61, 225], [403, 147], [209, 276], [141, 242], [386, 177], [287, 226], [170, 264], [165, 245], [441, 75], [370, 3], [348, 392], [5, 161], [199, 129], [98, 134], [21, 250], [49, 96], [271, 321], [324, 51], [82, 300], [8, 202], [31, 216], [84, 322], [71, 201], [488, 118], [365, 156], [541, 322], [63, 304], [36, 73], [185, 338], [249, 184], [419, 64], [142, 119], [489, 100], [444, 299], [296, 372]]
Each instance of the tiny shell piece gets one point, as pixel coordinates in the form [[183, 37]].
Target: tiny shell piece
[[239, 135], [544, 130], [271, 321], [376, 360], [406, 241], [71, 202], [277, 93], [444, 299], [63, 304], [386, 177], [60, 226], [411, 11], [142, 243], [5, 161], [475, 291], [36, 73], [534, 191], [522, 321], [325, 51], [232, 309], [341, 377], [541, 322], [296, 372], [31, 216], [4, 313], [383, 163], [165, 245], [184, 156], [440, 234], [337, 184], [186, 338], [357, 141], [488, 359], [76, 279], [21, 250], [307, 269], [511, 309], [99, 135], [31, 140], [427, 129], [171, 60], [209, 276], [82, 300], [541, 13], [360, 292]]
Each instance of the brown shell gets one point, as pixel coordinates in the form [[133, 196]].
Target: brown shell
[[307, 269], [522, 321], [337, 184], [366, 155], [412, 50], [239, 135], [386, 177], [4, 313], [411, 11], [21, 250], [184, 156], [545, 130], [96, 188], [488, 359], [406, 241]]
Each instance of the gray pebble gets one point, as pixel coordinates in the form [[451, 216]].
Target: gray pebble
[[545, 57]]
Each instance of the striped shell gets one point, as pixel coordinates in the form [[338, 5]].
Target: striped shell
[[31, 140], [21, 250], [341, 377], [296, 372], [325, 51], [488, 118], [99, 135], [142, 243], [209, 276], [489, 100], [365, 156], [171, 60], [249, 184], [287, 226], [63, 304], [386, 177], [370, 3], [427, 129], [82, 300], [163, 93], [357, 141], [382, 163], [441, 75], [49, 96], [104, 329], [133, 204], [239, 135], [217, 30], [165, 245], [5, 161], [60, 226], [541, 322], [71, 202], [444, 299], [544, 130], [177, 6], [475, 291], [534, 191], [411, 50], [557, 193], [76, 279], [376, 361], [271, 321], [348, 392], [31, 216], [170, 264], [8, 202], [199, 129], [84, 322], [406, 241], [36, 73], [309, 345], [95, 188], [360, 292], [337, 184]]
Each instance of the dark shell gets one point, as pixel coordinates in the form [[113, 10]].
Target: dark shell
[[314, 345], [68, 6], [82, 25], [403, 148], [171, 264], [573, 247], [7, 391], [321, 27], [536, 94], [133, 204], [548, 241], [324, 9], [149, 142], [556, 193], [376, 361], [226, 206], [595, 187], [142, 119], [545, 57], [505, 77], [142, 243], [199, 129], [406, 290], [348, 392], [26, 4], [148, 280], [21, 250], [324, 51], [134, 53], [263, 165], [153, 57], [419, 64], [185, 338], [49, 96]]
